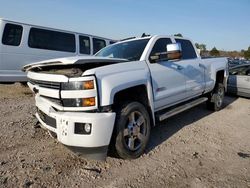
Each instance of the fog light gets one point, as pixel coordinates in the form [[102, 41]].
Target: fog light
[[87, 127], [83, 128]]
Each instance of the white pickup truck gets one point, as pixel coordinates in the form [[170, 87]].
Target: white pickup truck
[[111, 100]]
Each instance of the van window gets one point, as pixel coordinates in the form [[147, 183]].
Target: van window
[[160, 48], [188, 51], [84, 45], [98, 44], [12, 34], [51, 40]]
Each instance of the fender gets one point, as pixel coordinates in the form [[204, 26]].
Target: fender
[[212, 71], [112, 79]]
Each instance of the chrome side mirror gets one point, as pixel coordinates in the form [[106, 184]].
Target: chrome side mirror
[[174, 51], [154, 58]]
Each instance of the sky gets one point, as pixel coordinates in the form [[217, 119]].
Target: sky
[[224, 24]]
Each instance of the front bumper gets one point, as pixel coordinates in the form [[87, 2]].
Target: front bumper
[[63, 124]]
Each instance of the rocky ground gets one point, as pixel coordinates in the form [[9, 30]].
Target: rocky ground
[[196, 148]]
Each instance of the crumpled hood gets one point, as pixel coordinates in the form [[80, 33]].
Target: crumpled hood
[[72, 60]]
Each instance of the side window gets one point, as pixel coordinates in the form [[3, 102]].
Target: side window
[[51, 40], [160, 48], [188, 51], [12, 34], [98, 44], [84, 43]]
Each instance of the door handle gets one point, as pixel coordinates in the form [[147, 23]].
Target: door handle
[[178, 67]]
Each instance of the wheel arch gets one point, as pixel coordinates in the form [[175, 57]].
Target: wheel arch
[[139, 93], [219, 76]]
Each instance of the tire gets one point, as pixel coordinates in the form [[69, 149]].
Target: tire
[[215, 100], [132, 130]]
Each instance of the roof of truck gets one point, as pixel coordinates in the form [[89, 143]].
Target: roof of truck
[[152, 36]]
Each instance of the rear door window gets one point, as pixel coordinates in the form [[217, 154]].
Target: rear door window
[[188, 51], [98, 44], [12, 34], [84, 43], [51, 40]]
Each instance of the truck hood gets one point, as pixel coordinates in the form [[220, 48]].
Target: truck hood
[[75, 60]]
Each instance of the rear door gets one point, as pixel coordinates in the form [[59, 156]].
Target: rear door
[[168, 80], [194, 71]]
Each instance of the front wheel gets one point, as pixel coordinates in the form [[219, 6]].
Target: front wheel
[[216, 98], [132, 130]]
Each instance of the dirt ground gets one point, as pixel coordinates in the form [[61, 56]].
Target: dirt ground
[[196, 148]]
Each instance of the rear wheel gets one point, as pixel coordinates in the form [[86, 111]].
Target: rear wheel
[[132, 130], [215, 100]]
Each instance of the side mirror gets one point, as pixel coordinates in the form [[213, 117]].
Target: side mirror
[[154, 58], [174, 51]]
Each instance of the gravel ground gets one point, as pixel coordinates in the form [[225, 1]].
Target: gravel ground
[[196, 148]]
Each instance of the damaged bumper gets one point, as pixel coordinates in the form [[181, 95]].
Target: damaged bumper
[[70, 129]]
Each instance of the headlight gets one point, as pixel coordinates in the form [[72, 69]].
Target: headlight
[[80, 85], [79, 102]]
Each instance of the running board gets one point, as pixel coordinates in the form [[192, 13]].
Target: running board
[[181, 108]]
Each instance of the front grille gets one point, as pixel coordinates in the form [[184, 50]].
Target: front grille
[[45, 84], [47, 119]]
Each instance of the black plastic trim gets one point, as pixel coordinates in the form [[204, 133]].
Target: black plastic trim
[[94, 153]]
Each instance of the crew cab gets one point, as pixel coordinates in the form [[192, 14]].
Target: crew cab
[[110, 101]]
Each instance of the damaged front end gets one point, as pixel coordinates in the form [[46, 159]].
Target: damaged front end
[[67, 104]]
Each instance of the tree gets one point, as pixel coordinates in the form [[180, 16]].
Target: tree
[[214, 52], [178, 35], [247, 53], [202, 47]]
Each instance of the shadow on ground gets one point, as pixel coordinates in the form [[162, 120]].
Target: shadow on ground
[[164, 130]]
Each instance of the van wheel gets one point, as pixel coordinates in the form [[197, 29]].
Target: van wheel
[[132, 130], [215, 100]]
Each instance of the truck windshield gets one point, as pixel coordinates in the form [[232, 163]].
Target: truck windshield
[[131, 50]]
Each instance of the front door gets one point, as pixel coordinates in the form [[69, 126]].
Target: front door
[[168, 79]]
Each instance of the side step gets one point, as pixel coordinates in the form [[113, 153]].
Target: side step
[[181, 108]]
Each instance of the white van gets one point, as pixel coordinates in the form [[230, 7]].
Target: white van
[[22, 44]]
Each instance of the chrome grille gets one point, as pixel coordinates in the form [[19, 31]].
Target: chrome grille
[[45, 84]]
